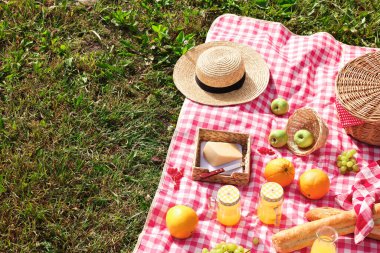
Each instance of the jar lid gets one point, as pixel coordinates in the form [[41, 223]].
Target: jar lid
[[272, 192], [228, 195]]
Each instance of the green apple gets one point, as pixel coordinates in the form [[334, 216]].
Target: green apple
[[278, 138], [279, 106], [303, 138]]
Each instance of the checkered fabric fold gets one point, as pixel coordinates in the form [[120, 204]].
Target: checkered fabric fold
[[363, 195], [303, 71], [346, 119]]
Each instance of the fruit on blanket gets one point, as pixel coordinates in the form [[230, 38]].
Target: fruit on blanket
[[256, 241], [346, 162], [314, 184], [279, 170], [279, 106], [181, 221], [303, 138], [278, 138], [224, 247]]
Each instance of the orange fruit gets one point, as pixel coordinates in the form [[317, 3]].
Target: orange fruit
[[181, 221], [279, 170], [314, 184]]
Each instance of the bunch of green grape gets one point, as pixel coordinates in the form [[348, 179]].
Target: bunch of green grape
[[225, 247], [346, 162]]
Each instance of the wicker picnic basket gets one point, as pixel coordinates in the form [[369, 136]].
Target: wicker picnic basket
[[358, 91], [306, 118], [236, 178]]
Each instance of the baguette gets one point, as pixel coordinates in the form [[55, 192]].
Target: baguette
[[303, 235], [323, 212]]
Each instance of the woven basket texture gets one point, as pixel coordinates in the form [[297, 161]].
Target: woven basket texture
[[306, 118], [358, 90], [236, 178]]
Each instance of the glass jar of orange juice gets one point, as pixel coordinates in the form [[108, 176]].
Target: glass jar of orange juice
[[325, 242], [228, 209], [270, 205]]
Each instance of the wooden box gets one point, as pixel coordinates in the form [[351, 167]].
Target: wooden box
[[236, 178]]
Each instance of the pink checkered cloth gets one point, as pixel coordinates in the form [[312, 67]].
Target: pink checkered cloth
[[347, 119], [363, 195], [303, 71]]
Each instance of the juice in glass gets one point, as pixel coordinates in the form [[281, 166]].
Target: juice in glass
[[228, 210], [325, 242], [228, 215], [270, 205]]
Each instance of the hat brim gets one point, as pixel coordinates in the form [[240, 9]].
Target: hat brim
[[256, 80]]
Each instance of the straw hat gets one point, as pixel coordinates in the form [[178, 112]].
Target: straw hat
[[221, 73]]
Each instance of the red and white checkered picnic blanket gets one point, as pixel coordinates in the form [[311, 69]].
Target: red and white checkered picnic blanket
[[303, 71], [362, 196]]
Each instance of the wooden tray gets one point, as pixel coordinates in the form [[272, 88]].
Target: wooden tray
[[236, 178]]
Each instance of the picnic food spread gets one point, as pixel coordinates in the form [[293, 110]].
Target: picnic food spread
[[228, 205], [218, 153], [226, 247], [181, 221], [303, 138], [269, 208], [279, 170], [278, 138], [323, 212], [325, 241], [279, 106], [314, 184], [289, 160], [346, 162]]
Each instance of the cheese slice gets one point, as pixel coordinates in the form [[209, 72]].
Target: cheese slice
[[218, 153]]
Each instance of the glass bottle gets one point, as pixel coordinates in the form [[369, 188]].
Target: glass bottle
[[228, 209], [270, 205], [325, 242]]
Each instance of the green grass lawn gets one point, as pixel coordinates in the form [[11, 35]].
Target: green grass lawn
[[88, 107]]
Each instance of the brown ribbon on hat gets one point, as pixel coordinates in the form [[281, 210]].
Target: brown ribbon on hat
[[220, 90]]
